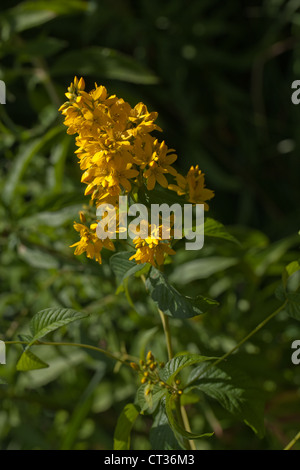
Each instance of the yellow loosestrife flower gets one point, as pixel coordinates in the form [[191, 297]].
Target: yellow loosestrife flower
[[118, 156], [193, 186], [153, 248], [90, 243]]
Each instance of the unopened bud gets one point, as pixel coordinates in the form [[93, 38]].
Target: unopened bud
[[82, 217], [149, 356], [81, 84]]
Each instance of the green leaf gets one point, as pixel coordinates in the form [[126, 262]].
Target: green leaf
[[28, 15], [124, 426], [58, 7], [161, 435], [171, 302], [2, 381], [103, 62], [201, 269], [293, 305], [289, 271], [170, 399], [26, 338], [29, 361], [50, 319], [288, 290], [21, 162], [81, 410], [123, 268], [263, 259], [149, 403], [52, 218], [233, 390], [177, 363], [21, 20], [42, 46], [37, 258], [213, 228]]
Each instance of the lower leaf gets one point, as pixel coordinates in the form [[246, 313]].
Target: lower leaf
[[176, 426], [124, 426], [29, 361]]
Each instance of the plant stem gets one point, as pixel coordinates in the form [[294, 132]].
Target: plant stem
[[186, 425], [293, 441], [79, 345], [165, 324], [255, 330], [180, 410]]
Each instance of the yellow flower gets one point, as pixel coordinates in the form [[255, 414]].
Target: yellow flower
[[152, 249], [114, 177], [163, 157], [143, 150], [143, 120], [120, 175], [155, 173], [117, 155], [193, 186], [181, 187], [198, 194], [90, 243], [159, 165]]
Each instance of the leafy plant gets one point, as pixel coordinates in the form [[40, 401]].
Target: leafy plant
[[219, 322]]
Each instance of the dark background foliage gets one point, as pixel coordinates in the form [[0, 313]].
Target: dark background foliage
[[219, 74]]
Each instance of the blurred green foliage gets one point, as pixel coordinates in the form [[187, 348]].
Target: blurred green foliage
[[220, 77]]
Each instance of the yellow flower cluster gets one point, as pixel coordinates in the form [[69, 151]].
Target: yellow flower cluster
[[90, 243], [118, 155], [153, 248], [193, 186], [149, 369]]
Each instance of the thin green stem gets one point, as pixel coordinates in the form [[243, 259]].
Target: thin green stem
[[293, 442], [186, 425], [79, 345], [255, 330], [180, 410], [166, 327]]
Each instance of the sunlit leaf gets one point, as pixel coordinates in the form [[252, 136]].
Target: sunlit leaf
[[51, 319], [124, 426], [29, 361]]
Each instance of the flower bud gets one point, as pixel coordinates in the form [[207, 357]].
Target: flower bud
[[150, 356]]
